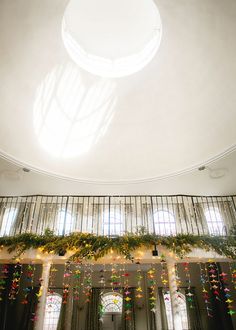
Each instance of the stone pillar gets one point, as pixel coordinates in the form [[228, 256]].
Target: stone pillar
[[42, 299], [173, 296]]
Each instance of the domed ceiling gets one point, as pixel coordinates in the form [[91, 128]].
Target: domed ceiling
[[173, 115]]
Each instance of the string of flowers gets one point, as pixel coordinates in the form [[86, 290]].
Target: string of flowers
[[178, 281], [34, 316], [66, 281], [15, 284], [213, 279], [227, 293], [87, 282], [189, 294], [115, 278], [102, 282], [77, 279], [3, 279], [151, 275], [127, 295], [30, 283], [139, 277], [232, 267], [205, 294], [164, 277]]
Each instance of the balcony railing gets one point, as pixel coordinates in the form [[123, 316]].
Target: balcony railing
[[115, 215]]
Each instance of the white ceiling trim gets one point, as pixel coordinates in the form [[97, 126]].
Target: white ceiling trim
[[209, 161]]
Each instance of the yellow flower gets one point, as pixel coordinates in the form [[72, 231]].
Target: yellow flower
[[127, 298], [139, 289]]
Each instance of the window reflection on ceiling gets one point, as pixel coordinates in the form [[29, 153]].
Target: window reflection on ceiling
[[72, 110]]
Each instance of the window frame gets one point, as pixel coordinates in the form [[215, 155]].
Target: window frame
[[164, 227], [112, 219], [212, 215], [168, 309], [8, 220], [66, 219], [52, 326], [114, 295]]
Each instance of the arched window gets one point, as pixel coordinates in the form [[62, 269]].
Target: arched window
[[112, 223], [8, 220], [182, 309], [52, 312], [164, 223], [214, 221], [112, 302], [64, 222]]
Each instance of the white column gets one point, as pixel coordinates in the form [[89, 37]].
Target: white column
[[42, 299], [158, 312], [173, 296]]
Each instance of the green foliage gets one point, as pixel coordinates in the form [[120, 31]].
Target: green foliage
[[89, 246]]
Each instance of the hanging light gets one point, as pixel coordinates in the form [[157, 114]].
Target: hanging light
[[155, 251]]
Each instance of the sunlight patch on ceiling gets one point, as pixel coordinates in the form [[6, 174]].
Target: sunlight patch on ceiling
[[71, 111], [111, 38]]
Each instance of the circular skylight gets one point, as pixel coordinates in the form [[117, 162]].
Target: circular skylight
[[111, 38]]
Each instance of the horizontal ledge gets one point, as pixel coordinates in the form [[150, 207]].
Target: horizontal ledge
[[144, 256]]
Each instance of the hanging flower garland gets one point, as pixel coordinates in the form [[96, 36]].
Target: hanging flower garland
[[66, 282], [139, 277], [3, 279], [15, 284], [213, 279], [189, 294], [164, 278], [178, 281], [77, 280], [30, 283], [232, 267], [90, 246], [227, 293], [205, 294], [87, 282], [34, 316], [127, 296], [151, 275], [102, 282]]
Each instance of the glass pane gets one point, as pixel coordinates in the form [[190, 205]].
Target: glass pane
[[164, 223], [214, 221], [112, 224], [52, 312], [182, 309], [8, 221], [112, 303], [65, 223]]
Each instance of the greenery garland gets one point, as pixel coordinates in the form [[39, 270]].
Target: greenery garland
[[89, 246]]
